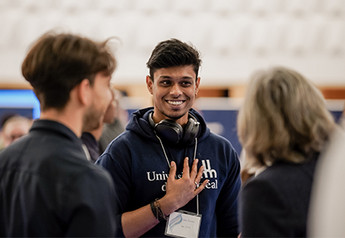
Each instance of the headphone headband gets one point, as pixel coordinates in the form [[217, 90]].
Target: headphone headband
[[173, 132]]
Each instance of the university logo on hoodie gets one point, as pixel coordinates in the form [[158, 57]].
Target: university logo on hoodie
[[209, 173]]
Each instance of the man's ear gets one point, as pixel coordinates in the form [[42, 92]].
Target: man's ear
[[149, 83], [197, 83], [84, 92]]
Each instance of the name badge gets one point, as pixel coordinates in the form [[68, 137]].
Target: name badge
[[183, 224]]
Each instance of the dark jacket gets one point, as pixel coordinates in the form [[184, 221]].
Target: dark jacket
[[139, 169], [48, 188], [275, 203], [91, 144]]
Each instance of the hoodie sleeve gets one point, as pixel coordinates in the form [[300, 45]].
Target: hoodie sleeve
[[226, 210]]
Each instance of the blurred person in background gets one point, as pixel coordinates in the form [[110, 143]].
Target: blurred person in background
[[47, 186], [283, 125], [110, 126], [90, 141], [13, 128], [158, 162], [327, 210], [115, 120]]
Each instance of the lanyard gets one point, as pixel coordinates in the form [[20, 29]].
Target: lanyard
[[194, 156]]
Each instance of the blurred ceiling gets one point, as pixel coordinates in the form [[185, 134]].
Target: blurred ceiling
[[235, 37]]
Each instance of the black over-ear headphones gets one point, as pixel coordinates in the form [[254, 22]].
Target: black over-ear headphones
[[173, 132]]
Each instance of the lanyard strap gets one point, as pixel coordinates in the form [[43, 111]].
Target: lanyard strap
[[194, 156]]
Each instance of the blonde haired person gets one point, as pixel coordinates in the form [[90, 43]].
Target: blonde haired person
[[282, 125]]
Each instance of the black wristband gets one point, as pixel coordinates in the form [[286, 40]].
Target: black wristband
[[161, 215], [154, 210], [157, 211]]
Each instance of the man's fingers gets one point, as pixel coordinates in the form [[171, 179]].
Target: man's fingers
[[172, 172], [201, 187], [186, 167], [199, 175], [194, 170]]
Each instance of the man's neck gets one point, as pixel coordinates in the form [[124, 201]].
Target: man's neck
[[73, 120]]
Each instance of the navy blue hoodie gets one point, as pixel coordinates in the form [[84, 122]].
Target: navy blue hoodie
[[136, 161]]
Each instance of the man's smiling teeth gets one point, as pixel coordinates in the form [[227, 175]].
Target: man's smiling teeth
[[175, 102]]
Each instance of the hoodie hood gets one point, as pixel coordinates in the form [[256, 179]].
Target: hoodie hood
[[139, 124]]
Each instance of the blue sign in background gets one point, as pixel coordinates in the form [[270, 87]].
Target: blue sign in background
[[20, 102], [227, 120], [221, 121]]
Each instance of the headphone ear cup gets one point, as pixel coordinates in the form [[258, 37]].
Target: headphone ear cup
[[152, 123], [169, 130], [191, 131]]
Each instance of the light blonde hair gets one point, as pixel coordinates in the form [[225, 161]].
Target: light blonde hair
[[283, 117]]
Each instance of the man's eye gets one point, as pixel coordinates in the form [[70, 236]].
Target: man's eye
[[186, 84], [165, 83]]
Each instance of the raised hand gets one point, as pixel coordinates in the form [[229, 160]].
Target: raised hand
[[180, 191]]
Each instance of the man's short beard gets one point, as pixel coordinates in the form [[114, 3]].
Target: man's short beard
[[173, 118], [91, 120], [90, 125]]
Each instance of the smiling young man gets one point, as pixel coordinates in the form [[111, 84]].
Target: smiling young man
[[47, 186], [173, 176]]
